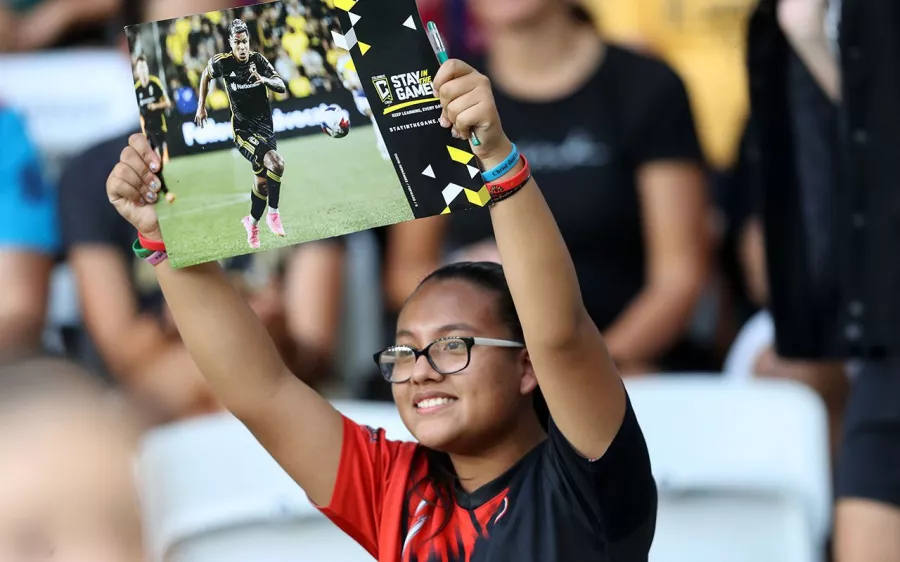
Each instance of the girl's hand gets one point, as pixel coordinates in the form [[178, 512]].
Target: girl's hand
[[468, 105], [133, 186]]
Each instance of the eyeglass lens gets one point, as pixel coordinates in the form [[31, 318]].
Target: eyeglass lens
[[447, 356]]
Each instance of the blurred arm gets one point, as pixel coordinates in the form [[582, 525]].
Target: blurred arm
[[299, 428], [675, 217], [413, 250], [24, 285], [271, 78], [313, 292], [583, 391], [134, 348], [803, 23], [164, 102], [126, 340]]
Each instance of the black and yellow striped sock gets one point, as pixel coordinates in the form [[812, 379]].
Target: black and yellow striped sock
[[273, 181], [257, 203]]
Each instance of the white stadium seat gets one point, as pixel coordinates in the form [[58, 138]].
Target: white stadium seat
[[742, 471], [211, 493], [755, 335]]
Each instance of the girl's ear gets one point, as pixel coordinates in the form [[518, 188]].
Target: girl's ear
[[529, 381]]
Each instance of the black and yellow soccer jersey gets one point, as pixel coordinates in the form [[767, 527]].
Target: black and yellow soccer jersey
[[153, 92], [249, 100]]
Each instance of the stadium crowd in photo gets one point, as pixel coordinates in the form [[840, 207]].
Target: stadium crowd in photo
[[294, 35]]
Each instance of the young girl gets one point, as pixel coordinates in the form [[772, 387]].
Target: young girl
[[482, 355]]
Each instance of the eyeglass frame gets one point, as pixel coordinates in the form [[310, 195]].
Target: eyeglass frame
[[470, 341]]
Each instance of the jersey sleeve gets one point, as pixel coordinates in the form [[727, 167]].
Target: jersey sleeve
[[264, 67], [667, 130], [159, 84], [369, 464], [617, 492], [214, 66]]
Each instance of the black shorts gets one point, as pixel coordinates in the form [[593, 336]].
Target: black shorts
[[869, 460], [254, 147], [157, 137]]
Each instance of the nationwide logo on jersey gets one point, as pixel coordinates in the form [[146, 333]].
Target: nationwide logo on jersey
[[235, 86], [383, 87]]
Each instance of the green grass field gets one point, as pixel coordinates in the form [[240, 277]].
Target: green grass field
[[330, 187]]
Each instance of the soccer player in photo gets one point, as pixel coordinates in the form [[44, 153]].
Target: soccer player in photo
[[248, 76], [153, 102], [350, 78]]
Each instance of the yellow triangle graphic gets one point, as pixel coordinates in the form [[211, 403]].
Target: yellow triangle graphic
[[345, 5], [480, 197], [460, 156], [446, 211], [363, 47]]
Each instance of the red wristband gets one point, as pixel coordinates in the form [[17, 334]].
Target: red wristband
[[152, 245], [502, 190]]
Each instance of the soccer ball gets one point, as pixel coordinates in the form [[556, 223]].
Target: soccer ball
[[335, 122]]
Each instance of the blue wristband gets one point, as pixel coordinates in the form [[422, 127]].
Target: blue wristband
[[502, 167]]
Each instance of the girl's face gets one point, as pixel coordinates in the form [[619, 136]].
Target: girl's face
[[499, 14], [468, 411]]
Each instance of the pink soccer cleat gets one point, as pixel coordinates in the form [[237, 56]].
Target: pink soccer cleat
[[252, 232], [274, 222]]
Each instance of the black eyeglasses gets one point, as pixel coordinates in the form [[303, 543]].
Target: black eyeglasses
[[447, 356]]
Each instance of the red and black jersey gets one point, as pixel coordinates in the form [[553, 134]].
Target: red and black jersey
[[552, 506]]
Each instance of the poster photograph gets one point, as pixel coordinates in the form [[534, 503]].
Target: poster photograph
[[297, 120]]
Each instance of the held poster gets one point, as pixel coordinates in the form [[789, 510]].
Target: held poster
[[292, 121]]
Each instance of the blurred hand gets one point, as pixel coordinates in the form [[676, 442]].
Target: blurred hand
[[200, 117], [133, 187], [803, 20], [468, 105]]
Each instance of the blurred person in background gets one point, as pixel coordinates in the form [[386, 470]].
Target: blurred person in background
[[29, 238], [29, 25], [67, 489], [611, 136], [705, 42], [825, 94]]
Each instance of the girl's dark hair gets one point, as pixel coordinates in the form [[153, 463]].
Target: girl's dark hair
[[440, 474]]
